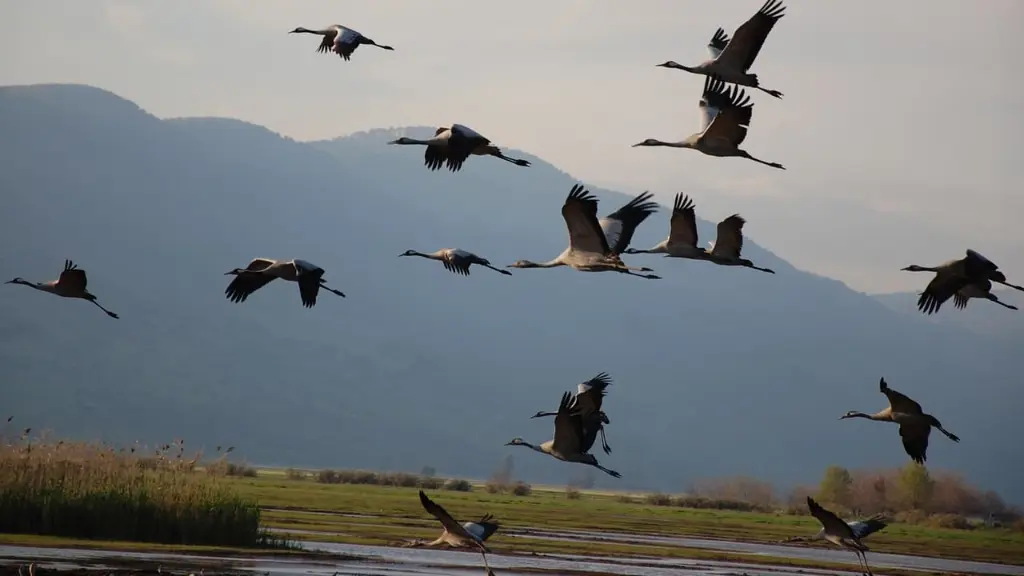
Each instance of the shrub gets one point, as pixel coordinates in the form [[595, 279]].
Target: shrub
[[625, 499], [294, 474], [458, 485], [572, 493], [658, 499], [522, 489], [88, 490]]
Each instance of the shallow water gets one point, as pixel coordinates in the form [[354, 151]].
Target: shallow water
[[383, 561], [820, 552]]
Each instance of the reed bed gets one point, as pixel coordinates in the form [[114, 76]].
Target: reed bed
[[91, 490]]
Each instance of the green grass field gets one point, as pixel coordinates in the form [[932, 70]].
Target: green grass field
[[388, 515], [394, 514]]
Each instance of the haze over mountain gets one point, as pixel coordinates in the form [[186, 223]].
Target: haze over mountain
[[718, 371]]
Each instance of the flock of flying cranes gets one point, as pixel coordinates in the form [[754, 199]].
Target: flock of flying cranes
[[596, 245]]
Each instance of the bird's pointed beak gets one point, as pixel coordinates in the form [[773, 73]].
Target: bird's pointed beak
[[393, 142], [637, 144], [9, 282]]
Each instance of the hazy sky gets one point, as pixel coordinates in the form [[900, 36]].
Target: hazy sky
[[897, 124]]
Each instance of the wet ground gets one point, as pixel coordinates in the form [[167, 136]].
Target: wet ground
[[344, 559]]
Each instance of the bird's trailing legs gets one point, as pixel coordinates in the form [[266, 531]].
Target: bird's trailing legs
[[774, 93], [109, 313], [331, 290], [1014, 286], [993, 298], [498, 270], [516, 161], [759, 161]]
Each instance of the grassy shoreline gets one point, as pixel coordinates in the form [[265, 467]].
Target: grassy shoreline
[[371, 514]]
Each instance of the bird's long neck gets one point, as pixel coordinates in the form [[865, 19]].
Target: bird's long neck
[[542, 414], [680, 144], [550, 264], [881, 416], [322, 32], [677, 66], [659, 249], [38, 286], [532, 447], [427, 256], [916, 268], [414, 142]]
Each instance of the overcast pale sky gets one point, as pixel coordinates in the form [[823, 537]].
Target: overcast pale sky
[[896, 126]]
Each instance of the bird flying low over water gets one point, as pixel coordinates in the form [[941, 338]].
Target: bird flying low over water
[[861, 529], [456, 260], [915, 425], [261, 271], [340, 40], [839, 533], [595, 245], [956, 275], [459, 535], [731, 59], [453, 145], [70, 284], [725, 119]]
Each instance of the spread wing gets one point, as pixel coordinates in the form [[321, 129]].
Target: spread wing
[[436, 155], [833, 524], [309, 287], [899, 402], [619, 226], [483, 528], [943, 286], [568, 428], [960, 300], [729, 242], [449, 523], [580, 215], [865, 528], [683, 224], [346, 42], [73, 277], [461, 145], [456, 262], [746, 43], [327, 42], [590, 394], [718, 43], [726, 112], [915, 439]]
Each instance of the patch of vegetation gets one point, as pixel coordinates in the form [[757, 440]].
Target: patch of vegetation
[[397, 479], [90, 490]]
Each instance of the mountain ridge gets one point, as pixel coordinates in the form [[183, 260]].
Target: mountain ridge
[[418, 366]]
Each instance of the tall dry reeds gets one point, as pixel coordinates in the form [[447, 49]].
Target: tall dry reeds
[[90, 490]]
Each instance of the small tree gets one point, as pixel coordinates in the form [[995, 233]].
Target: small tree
[[916, 486], [835, 486]]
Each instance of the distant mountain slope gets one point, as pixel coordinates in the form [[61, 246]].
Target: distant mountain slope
[[717, 371]]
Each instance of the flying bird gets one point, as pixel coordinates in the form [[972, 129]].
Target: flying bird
[[569, 443], [480, 530], [731, 59], [915, 425], [839, 533], [589, 398], [682, 239], [981, 289], [261, 271], [340, 40], [861, 529], [725, 114], [453, 145], [457, 534], [456, 260], [951, 277], [70, 284], [595, 245]]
